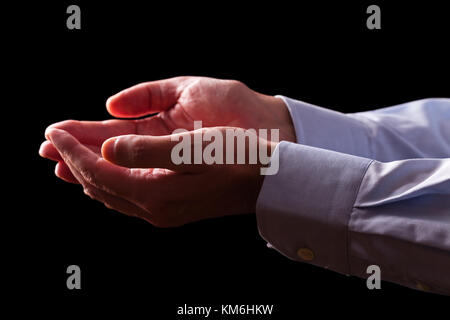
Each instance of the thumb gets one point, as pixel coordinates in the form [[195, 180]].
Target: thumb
[[143, 151], [146, 98]]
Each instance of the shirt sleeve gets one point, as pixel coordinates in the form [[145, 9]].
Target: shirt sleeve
[[345, 213], [348, 196], [418, 129]]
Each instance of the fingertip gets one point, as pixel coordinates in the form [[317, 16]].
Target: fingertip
[[58, 170], [64, 173], [129, 103], [47, 133], [109, 103], [108, 149], [42, 148], [118, 105], [52, 133], [53, 126]]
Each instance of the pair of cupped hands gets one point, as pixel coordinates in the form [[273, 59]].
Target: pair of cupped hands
[[134, 174]]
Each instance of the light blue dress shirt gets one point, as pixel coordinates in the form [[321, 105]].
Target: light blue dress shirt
[[361, 189]]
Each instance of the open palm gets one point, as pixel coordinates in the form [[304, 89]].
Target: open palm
[[176, 103], [134, 174]]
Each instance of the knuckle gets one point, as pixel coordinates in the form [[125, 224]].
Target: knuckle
[[137, 150], [235, 83], [235, 86], [108, 205], [235, 89], [89, 192], [88, 175], [91, 175]]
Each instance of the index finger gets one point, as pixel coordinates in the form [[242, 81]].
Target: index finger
[[96, 132]]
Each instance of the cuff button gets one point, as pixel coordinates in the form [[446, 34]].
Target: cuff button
[[305, 254], [422, 286]]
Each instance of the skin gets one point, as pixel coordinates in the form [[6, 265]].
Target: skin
[[134, 174]]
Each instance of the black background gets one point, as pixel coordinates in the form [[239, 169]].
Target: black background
[[318, 52]]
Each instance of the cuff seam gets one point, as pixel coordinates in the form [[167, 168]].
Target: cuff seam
[[348, 237]]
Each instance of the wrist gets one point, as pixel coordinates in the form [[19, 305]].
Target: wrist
[[281, 118]]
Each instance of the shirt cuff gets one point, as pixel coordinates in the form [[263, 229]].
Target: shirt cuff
[[327, 129], [303, 211]]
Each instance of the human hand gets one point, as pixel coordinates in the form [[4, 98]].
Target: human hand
[[181, 101], [178, 101], [164, 193]]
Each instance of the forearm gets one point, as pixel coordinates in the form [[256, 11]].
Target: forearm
[[349, 212]]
